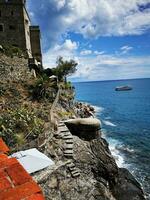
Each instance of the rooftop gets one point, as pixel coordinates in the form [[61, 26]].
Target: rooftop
[[15, 182]]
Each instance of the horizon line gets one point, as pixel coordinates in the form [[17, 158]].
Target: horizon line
[[109, 80]]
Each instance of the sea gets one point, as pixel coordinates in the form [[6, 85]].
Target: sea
[[125, 117]]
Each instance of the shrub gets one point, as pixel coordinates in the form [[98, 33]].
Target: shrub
[[11, 51], [2, 90], [64, 68], [44, 89], [19, 125]]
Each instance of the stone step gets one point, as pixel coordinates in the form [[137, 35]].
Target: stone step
[[67, 134], [69, 151], [58, 136], [68, 155], [71, 165], [75, 174], [65, 131], [75, 171], [63, 128], [68, 137], [69, 141], [59, 132], [63, 134], [61, 125], [62, 121], [69, 146], [72, 169]]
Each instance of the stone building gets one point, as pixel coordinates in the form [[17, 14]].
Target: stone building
[[35, 43], [16, 29]]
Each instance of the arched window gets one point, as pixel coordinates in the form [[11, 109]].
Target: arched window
[[1, 27]]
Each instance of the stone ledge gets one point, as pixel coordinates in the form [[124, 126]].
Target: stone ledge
[[85, 128]]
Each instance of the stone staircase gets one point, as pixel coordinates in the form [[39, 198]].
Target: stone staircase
[[65, 134]]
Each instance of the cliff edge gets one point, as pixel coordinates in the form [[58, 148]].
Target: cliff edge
[[84, 169]]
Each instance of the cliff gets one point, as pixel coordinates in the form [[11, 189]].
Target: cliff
[[84, 169]]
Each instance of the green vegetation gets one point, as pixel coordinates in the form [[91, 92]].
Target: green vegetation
[[26, 102], [66, 85], [64, 68], [20, 125], [11, 51], [43, 88], [65, 114], [2, 90]]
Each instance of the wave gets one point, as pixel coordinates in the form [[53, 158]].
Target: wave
[[108, 117], [108, 123], [98, 109], [125, 149], [113, 144]]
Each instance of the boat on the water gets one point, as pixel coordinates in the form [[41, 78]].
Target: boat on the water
[[123, 88]]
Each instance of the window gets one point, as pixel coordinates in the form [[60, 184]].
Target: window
[[1, 27], [0, 13], [11, 27], [26, 21], [15, 45], [12, 12]]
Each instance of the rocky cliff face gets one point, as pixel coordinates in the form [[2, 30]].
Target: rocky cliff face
[[83, 170], [89, 172]]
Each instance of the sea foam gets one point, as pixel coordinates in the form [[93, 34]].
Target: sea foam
[[98, 109], [108, 123], [113, 144]]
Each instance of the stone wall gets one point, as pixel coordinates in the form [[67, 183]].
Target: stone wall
[[14, 68], [35, 43]]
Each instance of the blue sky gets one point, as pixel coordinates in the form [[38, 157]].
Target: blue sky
[[110, 39]]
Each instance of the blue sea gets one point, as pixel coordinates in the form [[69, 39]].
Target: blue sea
[[125, 117]]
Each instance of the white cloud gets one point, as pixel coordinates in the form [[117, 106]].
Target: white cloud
[[109, 67], [66, 49], [125, 49], [100, 66], [68, 44], [99, 52], [86, 52], [92, 18], [60, 4]]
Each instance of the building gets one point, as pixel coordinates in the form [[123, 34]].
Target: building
[[16, 29], [35, 43]]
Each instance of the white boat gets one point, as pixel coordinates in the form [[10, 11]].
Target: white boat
[[123, 88]]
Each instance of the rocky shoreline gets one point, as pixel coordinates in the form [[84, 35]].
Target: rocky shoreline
[[84, 110], [84, 166]]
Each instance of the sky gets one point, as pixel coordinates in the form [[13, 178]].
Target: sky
[[109, 39]]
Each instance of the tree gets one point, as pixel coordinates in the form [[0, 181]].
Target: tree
[[64, 68]]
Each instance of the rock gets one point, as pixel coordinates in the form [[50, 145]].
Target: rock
[[1, 48], [90, 174], [127, 187], [85, 128]]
